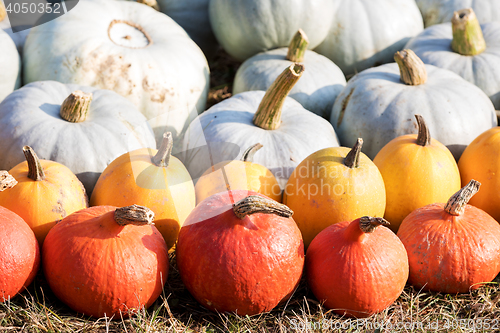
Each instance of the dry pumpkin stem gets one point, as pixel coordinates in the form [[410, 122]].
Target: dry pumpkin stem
[[257, 204], [368, 224], [35, 169], [298, 46], [75, 107], [468, 37], [250, 152], [456, 204], [6, 180], [411, 67], [424, 136], [135, 214], [352, 158], [268, 115], [136, 26], [150, 3], [162, 157]]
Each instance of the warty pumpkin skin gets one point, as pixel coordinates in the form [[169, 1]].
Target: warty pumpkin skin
[[357, 268], [151, 178], [99, 267], [233, 262], [19, 254], [417, 171], [45, 193], [334, 185], [439, 11], [452, 248]]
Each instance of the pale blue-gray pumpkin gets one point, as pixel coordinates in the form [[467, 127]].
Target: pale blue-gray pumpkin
[[10, 66], [441, 11]]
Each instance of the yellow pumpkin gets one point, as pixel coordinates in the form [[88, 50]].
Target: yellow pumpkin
[[238, 175], [334, 185], [45, 193], [480, 162], [417, 171], [151, 178]]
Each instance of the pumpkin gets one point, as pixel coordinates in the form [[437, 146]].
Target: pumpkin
[[151, 178], [466, 48], [366, 33], [129, 48], [81, 127], [378, 105], [439, 11], [45, 193], [357, 268], [334, 185], [240, 251], [316, 90], [453, 247], [10, 66], [241, 174], [19, 254], [244, 28], [106, 261], [18, 37], [288, 131], [417, 171]]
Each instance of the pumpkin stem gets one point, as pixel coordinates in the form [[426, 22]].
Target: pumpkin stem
[[135, 214], [248, 154], [298, 46], [424, 136], [368, 224], [35, 169], [75, 107], [352, 158], [257, 204], [268, 115], [411, 68], [162, 157], [456, 204], [3, 12], [468, 37], [6, 180], [150, 3]]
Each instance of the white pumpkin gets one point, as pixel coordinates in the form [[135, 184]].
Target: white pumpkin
[[441, 11], [18, 37], [31, 116], [378, 106], [366, 33], [225, 130], [247, 27], [129, 48], [10, 66]]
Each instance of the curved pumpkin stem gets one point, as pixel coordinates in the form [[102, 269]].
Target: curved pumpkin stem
[[268, 115], [250, 152], [162, 157], [3, 12], [424, 136], [298, 46], [456, 204], [257, 204], [75, 107], [468, 37], [368, 224], [150, 3], [411, 67], [6, 180], [35, 169], [352, 158], [135, 214]]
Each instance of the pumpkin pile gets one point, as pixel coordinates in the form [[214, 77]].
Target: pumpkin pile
[[338, 160]]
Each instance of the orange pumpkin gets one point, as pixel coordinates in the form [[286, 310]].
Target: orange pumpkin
[[334, 185], [45, 193], [238, 175], [151, 178], [417, 171]]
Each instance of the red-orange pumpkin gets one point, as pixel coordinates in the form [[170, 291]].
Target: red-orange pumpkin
[[241, 252], [106, 261]]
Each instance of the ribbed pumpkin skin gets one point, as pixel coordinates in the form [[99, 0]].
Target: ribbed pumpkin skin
[[98, 267], [245, 266], [133, 179], [480, 162], [44, 203], [356, 277], [440, 11], [322, 191], [451, 254], [19, 254], [415, 176]]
